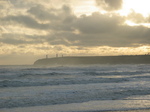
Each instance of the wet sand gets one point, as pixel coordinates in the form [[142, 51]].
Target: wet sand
[[147, 110]]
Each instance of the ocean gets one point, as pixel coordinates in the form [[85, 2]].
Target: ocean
[[90, 88]]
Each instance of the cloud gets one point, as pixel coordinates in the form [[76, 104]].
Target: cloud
[[110, 5], [51, 14], [98, 23], [92, 30], [21, 4], [31, 28], [25, 20], [18, 39], [41, 18], [43, 14], [102, 30], [137, 17], [63, 27]]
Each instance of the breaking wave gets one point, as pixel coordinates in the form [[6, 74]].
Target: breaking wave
[[39, 86]]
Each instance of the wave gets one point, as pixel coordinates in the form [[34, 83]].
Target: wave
[[29, 74], [41, 74], [9, 83], [19, 74], [112, 73], [27, 79], [63, 81], [26, 87], [38, 96]]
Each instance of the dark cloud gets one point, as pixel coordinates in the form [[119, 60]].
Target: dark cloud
[[58, 19], [66, 9], [43, 48], [92, 30], [26, 21], [29, 22], [43, 14], [110, 5], [98, 23], [102, 30], [18, 39], [10, 40], [63, 38], [134, 34], [62, 14], [124, 36], [21, 4]]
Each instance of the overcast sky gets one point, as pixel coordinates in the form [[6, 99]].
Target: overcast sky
[[31, 29]]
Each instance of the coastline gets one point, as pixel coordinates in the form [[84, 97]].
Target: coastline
[[140, 110], [33, 109], [90, 60]]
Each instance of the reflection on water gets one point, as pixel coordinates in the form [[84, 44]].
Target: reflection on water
[[87, 106]]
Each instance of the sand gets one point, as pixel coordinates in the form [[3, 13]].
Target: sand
[[148, 110]]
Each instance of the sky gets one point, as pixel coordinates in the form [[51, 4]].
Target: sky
[[32, 29]]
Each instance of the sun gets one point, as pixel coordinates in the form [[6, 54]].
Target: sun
[[139, 6]]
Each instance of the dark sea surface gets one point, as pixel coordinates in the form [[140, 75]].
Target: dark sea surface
[[74, 88]]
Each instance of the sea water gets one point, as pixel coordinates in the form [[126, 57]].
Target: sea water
[[87, 88]]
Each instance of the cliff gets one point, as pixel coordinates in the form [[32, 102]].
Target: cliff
[[131, 59]]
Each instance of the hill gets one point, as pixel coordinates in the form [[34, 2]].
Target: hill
[[128, 59]]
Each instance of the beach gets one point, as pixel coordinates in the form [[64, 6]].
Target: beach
[[132, 111]]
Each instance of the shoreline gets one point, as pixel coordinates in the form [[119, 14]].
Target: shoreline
[[139, 110], [90, 60], [35, 110]]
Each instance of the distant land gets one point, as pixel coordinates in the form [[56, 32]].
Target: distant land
[[88, 60]]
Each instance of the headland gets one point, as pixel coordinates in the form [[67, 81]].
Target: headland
[[88, 60]]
